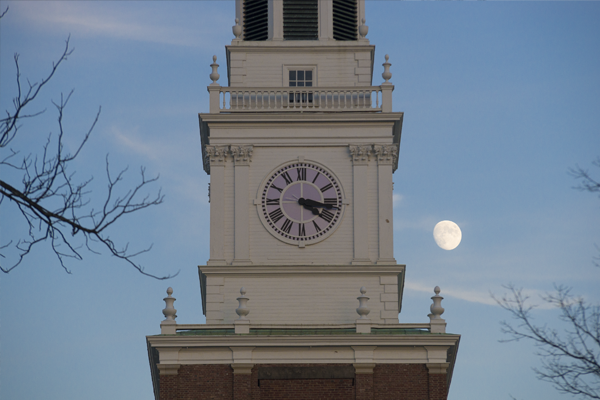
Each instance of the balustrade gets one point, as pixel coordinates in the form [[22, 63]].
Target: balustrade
[[278, 99]]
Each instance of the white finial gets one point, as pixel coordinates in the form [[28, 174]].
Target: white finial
[[363, 29], [242, 309], [237, 29], [387, 75], [362, 309], [214, 75], [169, 311], [436, 308]]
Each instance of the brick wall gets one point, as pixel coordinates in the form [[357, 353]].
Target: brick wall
[[198, 382], [389, 381]]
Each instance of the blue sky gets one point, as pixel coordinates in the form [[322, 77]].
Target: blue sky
[[500, 100]]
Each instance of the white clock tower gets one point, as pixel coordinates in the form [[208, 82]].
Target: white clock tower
[[300, 148], [300, 119]]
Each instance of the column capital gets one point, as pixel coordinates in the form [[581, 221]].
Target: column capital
[[215, 156], [387, 154], [242, 155], [360, 153]]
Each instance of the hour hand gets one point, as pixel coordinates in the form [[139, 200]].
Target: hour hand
[[316, 204]]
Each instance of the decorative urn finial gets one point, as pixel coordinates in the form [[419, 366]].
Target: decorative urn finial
[[169, 311], [387, 75], [436, 308], [362, 309], [363, 29], [242, 309], [237, 29], [214, 75]]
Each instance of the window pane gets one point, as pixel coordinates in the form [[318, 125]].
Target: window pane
[[300, 83], [309, 75], [308, 84], [300, 75], [292, 75], [292, 84]]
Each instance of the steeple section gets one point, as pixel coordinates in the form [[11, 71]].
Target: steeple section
[[275, 38]]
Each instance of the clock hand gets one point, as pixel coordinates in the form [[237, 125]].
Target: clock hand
[[304, 203], [316, 204], [314, 210]]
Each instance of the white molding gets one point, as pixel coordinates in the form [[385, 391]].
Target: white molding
[[364, 368], [242, 368], [168, 369], [438, 368], [304, 269], [165, 342]]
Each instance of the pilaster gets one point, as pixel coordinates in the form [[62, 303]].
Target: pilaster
[[360, 162], [275, 20], [241, 156], [386, 156], [217, 158], [326, 20]]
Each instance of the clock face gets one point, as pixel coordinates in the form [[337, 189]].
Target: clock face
[[301, 203]]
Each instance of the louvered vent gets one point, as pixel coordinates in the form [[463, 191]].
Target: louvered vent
[[344, 19], [256, 19], [301, 19]]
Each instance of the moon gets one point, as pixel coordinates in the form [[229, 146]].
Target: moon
[[447, 235]]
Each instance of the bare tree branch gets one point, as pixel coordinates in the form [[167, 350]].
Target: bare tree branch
[[586, 182], [570, 357], [55, 207]]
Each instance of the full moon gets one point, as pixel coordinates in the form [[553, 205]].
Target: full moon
[[447, 235]]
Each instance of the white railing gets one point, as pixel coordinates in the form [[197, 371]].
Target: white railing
[[283, 99]]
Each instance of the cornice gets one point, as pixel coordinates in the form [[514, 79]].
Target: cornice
[[328, 46], [164, 341], [302, 269], [287, 117]]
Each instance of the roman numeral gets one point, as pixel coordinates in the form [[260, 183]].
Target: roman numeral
[[316, 176], [301, 230], [330, 200], [276, 188], [276, 215], [287, 177], [326, 187], [272, 202], [287, 226], [326, 215], [317, 227], [301, 174]]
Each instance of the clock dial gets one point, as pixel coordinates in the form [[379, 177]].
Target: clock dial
[[301, 203]]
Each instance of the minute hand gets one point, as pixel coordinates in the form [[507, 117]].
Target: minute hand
[[316, 204]]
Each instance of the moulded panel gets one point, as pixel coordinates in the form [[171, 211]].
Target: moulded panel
[[301, 299]]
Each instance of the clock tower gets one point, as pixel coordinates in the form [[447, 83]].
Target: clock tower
[[300, 148]]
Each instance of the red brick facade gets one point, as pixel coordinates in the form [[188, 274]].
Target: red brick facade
[[388, 381]]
